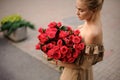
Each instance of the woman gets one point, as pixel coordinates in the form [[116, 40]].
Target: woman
[[91, 31]]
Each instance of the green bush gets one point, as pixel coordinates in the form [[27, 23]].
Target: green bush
[[11, 23]]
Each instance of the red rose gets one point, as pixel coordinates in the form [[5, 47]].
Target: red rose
[[76, 53], [41, 30], [66, 40], [41, 43], [63, 49], [82, 45], [44, 48], [76, 32], [50, 53], [63, 55], [76, 39], [79, 46], [37, 46], [70, 44], [69, 28], [52, 24], [53, 42], [50, 45], [63, 34], [59, 24], [51, 29], [71, 37], [51, 34], [59, 42], [71, 60], [57, 55], [69, 55], [43, 37], [56, 48], [80, 37], [76, 46]]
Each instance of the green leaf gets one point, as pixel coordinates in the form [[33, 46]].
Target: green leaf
[[49, 59], [12, 26], [6, 26], [11, 30], [64, 28]]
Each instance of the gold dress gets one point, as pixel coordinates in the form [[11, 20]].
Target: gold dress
[[91, 54]]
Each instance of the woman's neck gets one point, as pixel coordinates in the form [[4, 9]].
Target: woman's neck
[[96, 22]]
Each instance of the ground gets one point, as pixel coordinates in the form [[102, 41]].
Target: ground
[[20, 61]]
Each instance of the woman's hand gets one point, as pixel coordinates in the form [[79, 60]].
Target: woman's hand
[[56, 62], [53, 62]]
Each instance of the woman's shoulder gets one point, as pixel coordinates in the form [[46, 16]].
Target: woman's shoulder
[[94, 35]]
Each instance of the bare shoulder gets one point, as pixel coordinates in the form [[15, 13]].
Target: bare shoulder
[[96, 31], [96, 35]]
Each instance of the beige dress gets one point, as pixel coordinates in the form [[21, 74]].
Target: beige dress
[[91, 54]]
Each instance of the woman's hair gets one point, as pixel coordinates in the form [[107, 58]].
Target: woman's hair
[[94, 5]]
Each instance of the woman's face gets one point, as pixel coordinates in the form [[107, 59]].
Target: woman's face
[[82, 11]]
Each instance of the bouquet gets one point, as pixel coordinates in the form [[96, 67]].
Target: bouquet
[[60, 42]]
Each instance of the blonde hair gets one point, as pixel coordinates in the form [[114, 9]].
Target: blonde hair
[[94, 5]]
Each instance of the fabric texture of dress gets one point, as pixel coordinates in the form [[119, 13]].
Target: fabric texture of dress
[[91, 54]]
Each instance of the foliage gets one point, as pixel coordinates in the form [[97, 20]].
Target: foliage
[[13, 22]]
